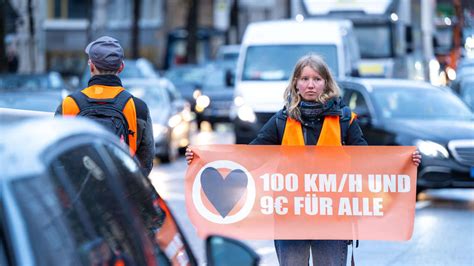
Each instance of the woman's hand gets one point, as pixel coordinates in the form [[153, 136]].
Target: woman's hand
[[416, 158], [189, 155]]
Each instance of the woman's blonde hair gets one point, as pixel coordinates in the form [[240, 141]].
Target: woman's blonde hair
[[291, 95]]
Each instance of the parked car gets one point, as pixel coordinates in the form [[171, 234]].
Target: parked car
[[74, 196], [170, 114], [38, 92], [403, 112], [216, 95]]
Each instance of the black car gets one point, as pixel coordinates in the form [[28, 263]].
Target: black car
[[407, 112], [216, 95], [37, 92], [74, 196]]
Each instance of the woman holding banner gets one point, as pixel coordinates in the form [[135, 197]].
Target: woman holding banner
[[313, 115]]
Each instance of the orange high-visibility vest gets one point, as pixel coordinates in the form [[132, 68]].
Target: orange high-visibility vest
[[330, 132], [70, 108]]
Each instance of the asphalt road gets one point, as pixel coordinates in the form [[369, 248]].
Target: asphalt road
[[443, 233]]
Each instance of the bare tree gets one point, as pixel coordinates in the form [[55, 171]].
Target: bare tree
[[192, 27], [136, 29], [3, 56]]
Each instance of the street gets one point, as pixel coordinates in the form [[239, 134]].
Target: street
[[443, 233]]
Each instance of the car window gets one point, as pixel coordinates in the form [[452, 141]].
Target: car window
[[419, 103], [275, 62], [161, 226], [84, 219], [3, 251], [357, 103]]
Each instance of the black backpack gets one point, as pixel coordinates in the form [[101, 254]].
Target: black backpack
[[107, 112]]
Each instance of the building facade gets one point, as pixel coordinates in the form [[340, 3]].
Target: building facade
[[52, 34]]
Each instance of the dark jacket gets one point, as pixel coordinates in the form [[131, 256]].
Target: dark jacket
[[145, 142], [272, 132]]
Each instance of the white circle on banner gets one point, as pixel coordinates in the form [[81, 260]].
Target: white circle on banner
[[212, 217]]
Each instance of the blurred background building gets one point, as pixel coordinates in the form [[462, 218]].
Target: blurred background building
[[50, 35]]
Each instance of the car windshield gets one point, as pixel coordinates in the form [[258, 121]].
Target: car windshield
[[191, 75], [416, 103], [30, 83], [153, 96], [467, 92], [138, 69], [215, 79], [374, 40], [275, 62]]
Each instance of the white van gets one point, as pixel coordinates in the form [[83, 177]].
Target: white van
[[268, 54]]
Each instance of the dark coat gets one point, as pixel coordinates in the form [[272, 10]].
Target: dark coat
[[145, 142]]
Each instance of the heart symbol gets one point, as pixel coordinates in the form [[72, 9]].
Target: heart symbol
[[223, 193]]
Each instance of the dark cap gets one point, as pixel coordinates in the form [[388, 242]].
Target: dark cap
[[105, 53]]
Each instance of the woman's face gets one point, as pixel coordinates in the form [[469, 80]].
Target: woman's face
[[310, 84]]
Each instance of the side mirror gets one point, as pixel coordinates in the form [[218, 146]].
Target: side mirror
[[226, 251], [229, 78]]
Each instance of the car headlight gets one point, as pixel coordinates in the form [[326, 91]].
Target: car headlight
[[432, 149], [246, 113], [239, 101], [202, 102], [196, 94], [159, 131], [174, 120]]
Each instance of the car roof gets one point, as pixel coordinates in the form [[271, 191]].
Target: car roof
[[309, 31], [377, 83], [23, 143]]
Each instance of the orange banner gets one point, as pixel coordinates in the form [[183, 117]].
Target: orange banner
[[302, 192]]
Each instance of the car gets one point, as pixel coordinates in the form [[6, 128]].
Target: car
[[216, 96], [228, 55], [188, 80], [407, 112], [74, 196], [37, 92], [170, 115]]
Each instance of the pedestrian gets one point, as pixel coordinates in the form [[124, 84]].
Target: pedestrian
[[313, 114], [107, 102]]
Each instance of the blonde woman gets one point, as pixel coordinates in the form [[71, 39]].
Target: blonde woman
[[313, 115]]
